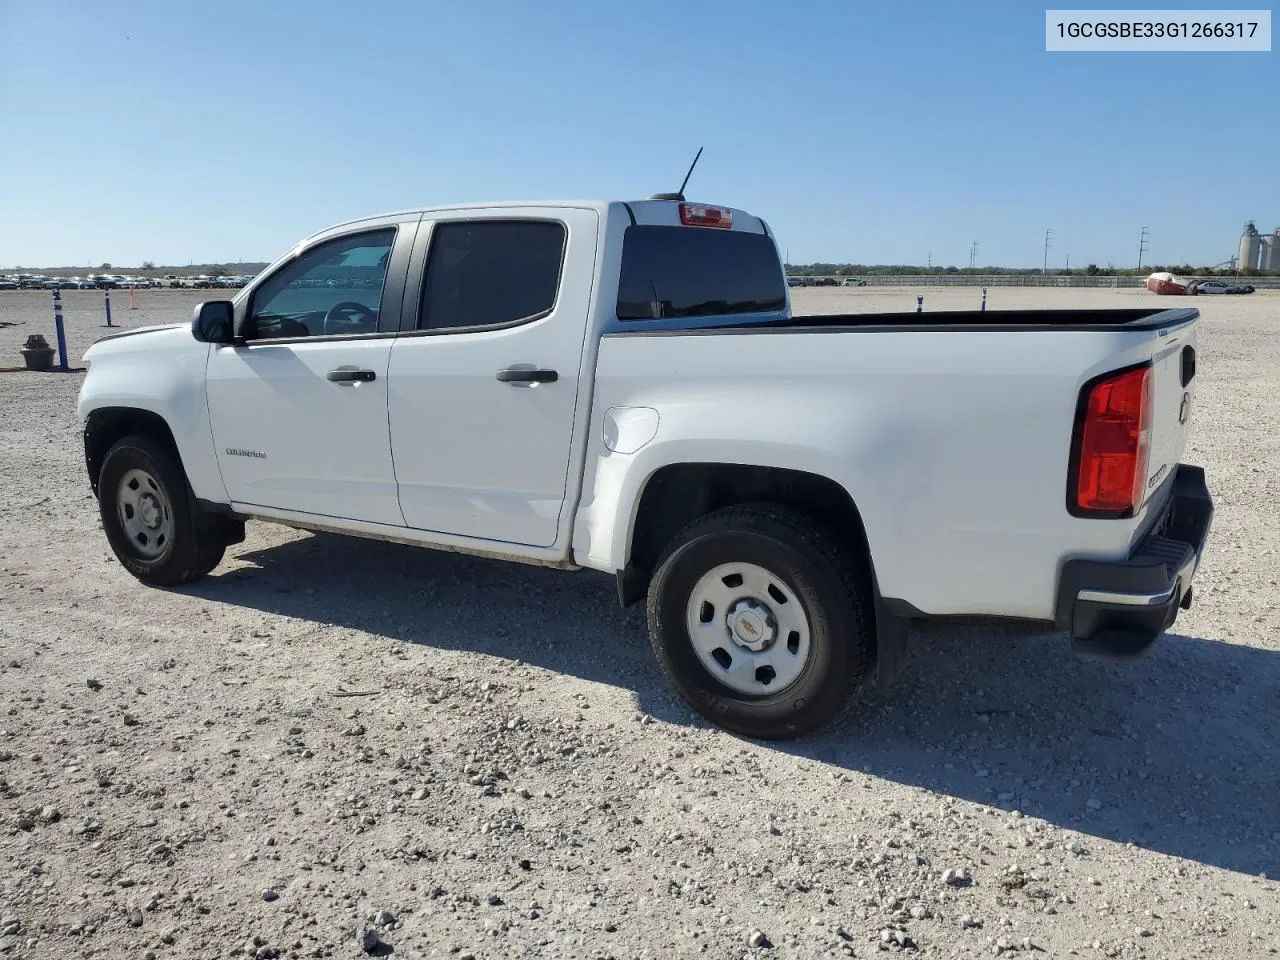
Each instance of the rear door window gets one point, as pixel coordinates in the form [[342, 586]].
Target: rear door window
[[698, 272], [491, 273]]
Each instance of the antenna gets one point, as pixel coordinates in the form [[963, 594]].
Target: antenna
[[684, 183], [679, 195]]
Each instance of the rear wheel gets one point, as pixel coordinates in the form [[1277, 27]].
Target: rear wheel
[[149, 517], [761, 619]]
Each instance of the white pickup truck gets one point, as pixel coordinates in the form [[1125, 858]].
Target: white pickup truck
[[622, 387]]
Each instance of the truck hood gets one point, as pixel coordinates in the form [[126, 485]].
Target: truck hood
[[139, 338], [152, 328]]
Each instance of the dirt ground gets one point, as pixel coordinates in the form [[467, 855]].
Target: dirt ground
[[181, 776]]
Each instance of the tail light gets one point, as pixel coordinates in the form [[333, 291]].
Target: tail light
[[1112, 444], [700, 215]]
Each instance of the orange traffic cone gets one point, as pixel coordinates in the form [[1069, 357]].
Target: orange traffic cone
[[133, 304]]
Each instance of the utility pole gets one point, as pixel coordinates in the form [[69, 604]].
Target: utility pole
[[929, 257], [1048, 235], [1142, 246], [1068, 270], [973, 254]]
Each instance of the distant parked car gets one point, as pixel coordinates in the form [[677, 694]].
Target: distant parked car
[[7, 284], [1218, 286], [86, 283], [854, 282]]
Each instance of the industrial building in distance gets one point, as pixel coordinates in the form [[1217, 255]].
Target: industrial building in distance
[[1259, 251]]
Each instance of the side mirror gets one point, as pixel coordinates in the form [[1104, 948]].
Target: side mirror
[[213, 322]]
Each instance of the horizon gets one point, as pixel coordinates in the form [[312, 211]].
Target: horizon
[[229, 267], [900, 135]]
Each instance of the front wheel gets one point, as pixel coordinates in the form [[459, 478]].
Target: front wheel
[[149, 518], [761, 620]]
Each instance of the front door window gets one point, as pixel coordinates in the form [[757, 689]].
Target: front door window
[[334, 288]]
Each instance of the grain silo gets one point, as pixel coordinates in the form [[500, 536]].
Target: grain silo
[[1250, 247], [1269, 257]]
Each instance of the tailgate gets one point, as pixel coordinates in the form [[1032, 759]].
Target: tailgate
[[1174, 370]]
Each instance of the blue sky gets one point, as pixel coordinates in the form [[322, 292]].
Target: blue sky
[[865, 132]]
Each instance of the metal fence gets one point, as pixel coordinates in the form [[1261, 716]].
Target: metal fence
[[1035, 280]]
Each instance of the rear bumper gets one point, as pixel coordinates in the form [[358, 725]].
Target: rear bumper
[[1117, 609]]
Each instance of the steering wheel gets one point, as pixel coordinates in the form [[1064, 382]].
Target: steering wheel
[[339, 318]]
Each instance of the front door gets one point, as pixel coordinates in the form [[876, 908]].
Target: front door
[[299, 411], [484, 386]]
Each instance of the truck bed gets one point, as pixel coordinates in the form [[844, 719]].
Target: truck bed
[[974, 320], [953, 440]]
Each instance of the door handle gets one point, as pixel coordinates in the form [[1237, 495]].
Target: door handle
[[350, 376], [523, 375]]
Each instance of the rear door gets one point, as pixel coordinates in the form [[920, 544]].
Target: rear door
[[484, 379]]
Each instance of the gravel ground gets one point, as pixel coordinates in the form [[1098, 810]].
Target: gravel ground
[[508, 776]]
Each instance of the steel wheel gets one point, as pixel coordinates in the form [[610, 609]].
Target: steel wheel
[[759, 615], [145, 513], [748, 628]]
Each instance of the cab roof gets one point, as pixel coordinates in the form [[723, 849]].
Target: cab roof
[[649, 211]]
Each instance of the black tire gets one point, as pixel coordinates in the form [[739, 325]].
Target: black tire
[[832, 583], [195, 544]]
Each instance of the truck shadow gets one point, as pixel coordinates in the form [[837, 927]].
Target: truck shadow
[[1178, 752]]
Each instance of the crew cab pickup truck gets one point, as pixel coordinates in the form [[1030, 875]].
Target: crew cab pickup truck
[[623, 387]]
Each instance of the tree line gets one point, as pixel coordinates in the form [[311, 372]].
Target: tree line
[[1090, 270], [149, 268]]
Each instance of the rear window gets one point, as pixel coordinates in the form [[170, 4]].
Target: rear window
[[698, 272]]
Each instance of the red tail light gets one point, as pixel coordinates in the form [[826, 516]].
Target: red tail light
[[700, 215], [1113, 444]]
